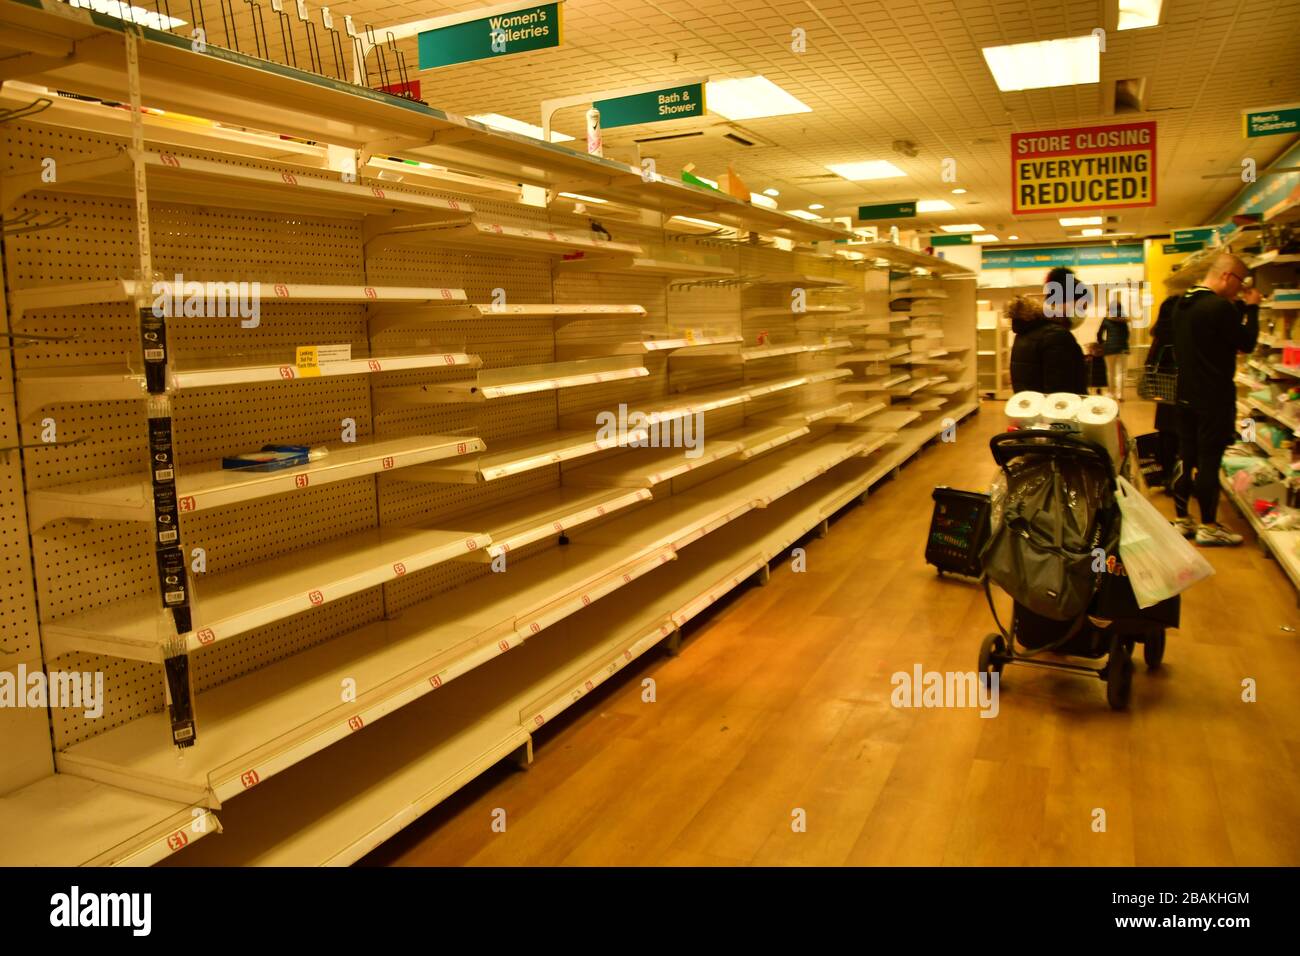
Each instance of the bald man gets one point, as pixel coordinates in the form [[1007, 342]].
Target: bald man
[[1210, 327]]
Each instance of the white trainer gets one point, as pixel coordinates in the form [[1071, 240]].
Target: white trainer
[[1185, 526], [1216, 535]]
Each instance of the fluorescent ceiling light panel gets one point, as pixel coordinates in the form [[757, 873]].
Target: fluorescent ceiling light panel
[[959, 192], [984, 237], [764, 201], [750, 97], [963, 227], [1081, 221], [510, 125], [1044, 63], [869, 169], [815, 205], [1092, 232], [934, 205], [1013, 238], [132, 14], [769, 191], [804, 214], [1136, 14]]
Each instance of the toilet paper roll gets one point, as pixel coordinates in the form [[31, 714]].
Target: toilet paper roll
[[1060, 407], [1024, 408], [1098, 419]]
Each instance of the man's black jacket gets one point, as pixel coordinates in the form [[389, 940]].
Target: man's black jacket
[[1209, 331]]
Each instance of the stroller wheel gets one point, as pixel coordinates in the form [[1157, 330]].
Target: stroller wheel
[[1119, 674], [991, 651], [1153, 649]]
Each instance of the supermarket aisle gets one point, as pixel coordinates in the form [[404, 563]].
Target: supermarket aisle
[[780, 702]]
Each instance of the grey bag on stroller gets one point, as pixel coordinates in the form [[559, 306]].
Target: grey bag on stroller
[[1045, 529]]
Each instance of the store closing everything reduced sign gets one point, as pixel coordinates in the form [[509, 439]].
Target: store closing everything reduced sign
[[1094, 167]]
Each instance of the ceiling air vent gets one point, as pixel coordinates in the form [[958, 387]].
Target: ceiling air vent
[[1129, 96], [730, 132]]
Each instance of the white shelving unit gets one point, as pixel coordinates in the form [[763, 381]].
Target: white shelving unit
[[378, 562]]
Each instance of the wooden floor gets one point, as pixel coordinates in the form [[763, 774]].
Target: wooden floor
[[780, 701]]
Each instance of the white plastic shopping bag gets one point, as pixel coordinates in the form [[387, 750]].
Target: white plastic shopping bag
[[1159, 561]]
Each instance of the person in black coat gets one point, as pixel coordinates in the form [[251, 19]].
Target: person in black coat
[[1210, 328], [1162, 358], [1045, 356], [1112, 336]]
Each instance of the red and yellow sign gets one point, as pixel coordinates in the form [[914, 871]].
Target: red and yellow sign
[[1093, 167]]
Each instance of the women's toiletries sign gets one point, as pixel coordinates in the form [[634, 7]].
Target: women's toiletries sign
[[1092, 167], [489, 32]]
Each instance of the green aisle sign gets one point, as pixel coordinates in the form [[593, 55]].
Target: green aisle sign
[[1173, 248], [1202, 235], [1271, 122], [888, 210], [961, 239], [656, 106], [516, 31]]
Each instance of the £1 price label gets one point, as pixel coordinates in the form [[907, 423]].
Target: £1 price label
[[374, 365], [286, 371], [386, 463], [249, 778], [539, 720], [316, 598], [399, 569], [370, 293], [301, 481], [504, 645], [289, 178], [167, 159], [186, 503], [356, 723], [435, 681], [177, 840], [377, 191]]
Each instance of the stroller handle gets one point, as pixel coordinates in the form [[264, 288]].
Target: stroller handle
[[1008, 445]]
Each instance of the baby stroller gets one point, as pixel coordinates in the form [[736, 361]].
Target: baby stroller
[[1054, 549]]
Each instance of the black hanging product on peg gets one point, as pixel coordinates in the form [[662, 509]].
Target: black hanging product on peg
[[180, 691], [153, 343], [286, 33]]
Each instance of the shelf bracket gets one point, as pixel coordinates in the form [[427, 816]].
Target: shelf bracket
[[673, 645], [522, 756]]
